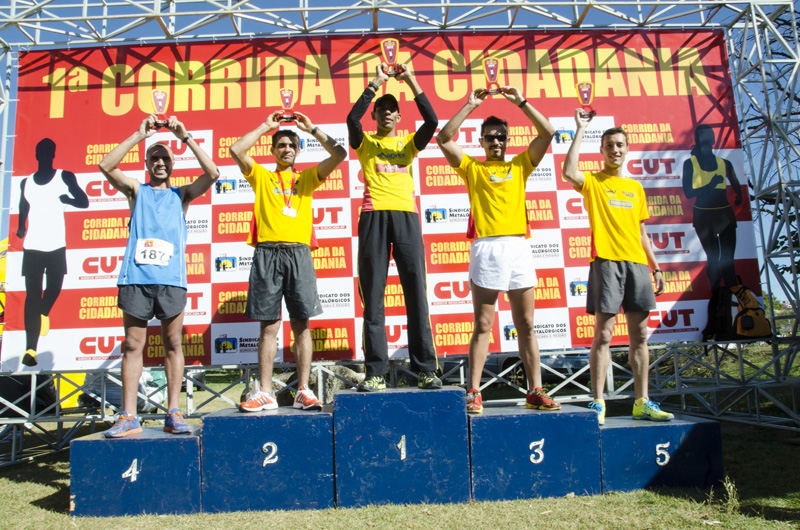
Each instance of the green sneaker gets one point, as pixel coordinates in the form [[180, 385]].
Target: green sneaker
[[600, 408], [372, 384], [429, 381], [649, 410]]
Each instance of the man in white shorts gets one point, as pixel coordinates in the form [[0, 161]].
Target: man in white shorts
[[500, 257]]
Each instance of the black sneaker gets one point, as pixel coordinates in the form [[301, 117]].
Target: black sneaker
[[429, 381], [372, 384]]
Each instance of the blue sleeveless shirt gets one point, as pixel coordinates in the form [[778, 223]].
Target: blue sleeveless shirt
[[156, 250]]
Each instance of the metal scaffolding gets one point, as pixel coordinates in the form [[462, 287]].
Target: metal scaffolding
[[709, 379]]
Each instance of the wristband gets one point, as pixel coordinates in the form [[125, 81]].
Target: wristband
[[186, 139], [523, 103], [314, 130], [373, 86], [657, 270]]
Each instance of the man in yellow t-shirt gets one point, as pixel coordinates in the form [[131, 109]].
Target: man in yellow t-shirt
[[282, 264], [389, 226], [618, 273], [500, 258]]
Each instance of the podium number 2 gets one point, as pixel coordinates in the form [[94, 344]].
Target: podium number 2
[[537, 456], [132, 471], [271, 450], [662, 455]]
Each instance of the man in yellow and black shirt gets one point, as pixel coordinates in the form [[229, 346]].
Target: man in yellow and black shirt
[[282, 266], [389, 225], [618, 272], [500, 258]]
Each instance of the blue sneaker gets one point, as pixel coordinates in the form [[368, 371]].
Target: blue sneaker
[[125, 425], [174, 423], [600, 408]]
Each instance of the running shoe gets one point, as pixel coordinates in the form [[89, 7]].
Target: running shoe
[[29, 358], [428, 381], [372, 384], [125, 425], [644, 409], [306, 400], [258, 401], [538, 399], [600, 408], [174, 423], [474, 402]]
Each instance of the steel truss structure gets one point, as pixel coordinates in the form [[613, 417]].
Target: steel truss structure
[[714, 380]]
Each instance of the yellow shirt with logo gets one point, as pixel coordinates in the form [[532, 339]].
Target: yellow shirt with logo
[[497, 194], [386, 163], [272, 191], [616, 207]]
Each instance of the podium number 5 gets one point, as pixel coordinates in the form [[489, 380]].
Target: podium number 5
[[132, 471], [271, 450], [537, 456], [662, 455]]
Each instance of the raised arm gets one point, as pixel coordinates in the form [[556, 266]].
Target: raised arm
[[544, 129], [338, 153], [240, 148], [78, 198], [570, 171], [429, 118], [200, 185], [361, 106], [452, 151], [108, 165]]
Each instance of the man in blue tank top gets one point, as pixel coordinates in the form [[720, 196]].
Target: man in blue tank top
[[152, 281]]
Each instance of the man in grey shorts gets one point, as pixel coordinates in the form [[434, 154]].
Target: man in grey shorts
[[152, 280], [618, 275], [282, 236]]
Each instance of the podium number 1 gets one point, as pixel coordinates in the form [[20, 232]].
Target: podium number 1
[[271, 450], [538, 455], [132, 471], [401, 446], [662, 454]]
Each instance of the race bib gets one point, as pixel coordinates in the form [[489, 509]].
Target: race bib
[[153, 252]]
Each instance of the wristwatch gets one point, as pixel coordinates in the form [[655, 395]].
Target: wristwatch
[[186, 138]]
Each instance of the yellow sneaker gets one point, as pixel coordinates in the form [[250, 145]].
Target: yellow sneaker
[[599, 406], [45, 329], [29, 358], [644, 409]]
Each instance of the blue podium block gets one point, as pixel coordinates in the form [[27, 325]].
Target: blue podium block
[[401, 446], [151, 472], [271, 460], [518, 453], [685, 452]]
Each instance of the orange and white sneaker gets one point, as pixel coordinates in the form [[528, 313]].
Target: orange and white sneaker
[[306, 400], [258, 401], [474, 401]]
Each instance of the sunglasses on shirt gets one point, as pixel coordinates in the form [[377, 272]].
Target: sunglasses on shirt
[[489, 138]]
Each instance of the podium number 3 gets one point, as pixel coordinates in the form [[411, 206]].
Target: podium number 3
[[537, 456], [662, 455], [132, 471], [271, 450]]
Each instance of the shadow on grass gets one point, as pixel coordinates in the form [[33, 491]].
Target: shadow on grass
[[50, 473]]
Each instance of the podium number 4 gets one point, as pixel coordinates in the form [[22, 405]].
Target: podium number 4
[[538, 455], [132, 471], [270, 449], [662, 454]]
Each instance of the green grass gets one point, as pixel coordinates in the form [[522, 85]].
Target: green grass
[[763, 492]]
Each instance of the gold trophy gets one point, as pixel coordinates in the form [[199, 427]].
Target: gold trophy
[[491, 69], [160, 102], [287, 100], [389, 49], [585, 95]]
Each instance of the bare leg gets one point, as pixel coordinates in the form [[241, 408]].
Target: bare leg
[[483, 302], [599, 354], [172, 336], [135, 334], [638, 353], [523, 302], [303, 351], [267, 348]]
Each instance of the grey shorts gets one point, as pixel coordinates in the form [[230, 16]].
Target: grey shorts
[[146, 301], [615, 284], [282, 271]]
